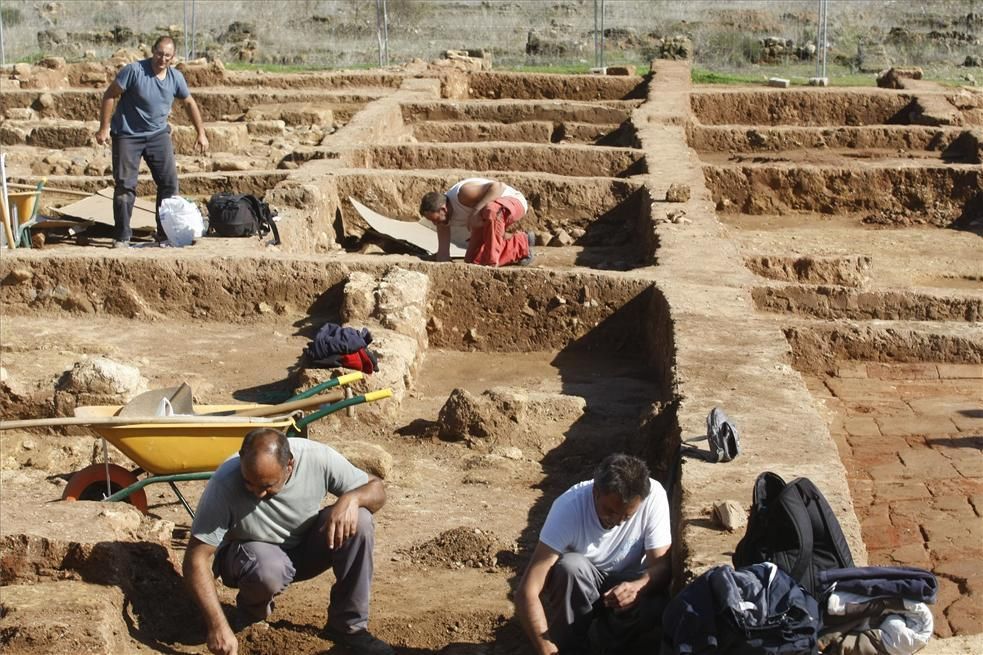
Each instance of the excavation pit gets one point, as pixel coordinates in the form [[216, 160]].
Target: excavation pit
[[623, 338], [571, 161], [807, 107]]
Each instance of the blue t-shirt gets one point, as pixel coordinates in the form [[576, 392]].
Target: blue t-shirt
[[146, 102]]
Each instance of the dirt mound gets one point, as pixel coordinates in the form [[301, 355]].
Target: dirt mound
[[458, 548]]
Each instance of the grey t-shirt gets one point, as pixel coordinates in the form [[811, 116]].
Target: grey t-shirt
[[146, 101], [228, 511]]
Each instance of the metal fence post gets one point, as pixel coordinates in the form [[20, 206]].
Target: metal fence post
[[382, 31], [194, 12], [3, 47]]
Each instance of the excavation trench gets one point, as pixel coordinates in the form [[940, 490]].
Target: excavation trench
[[562, 369], [636, 322]]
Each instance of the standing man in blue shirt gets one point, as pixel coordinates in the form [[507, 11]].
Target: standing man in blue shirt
[[146, 90]]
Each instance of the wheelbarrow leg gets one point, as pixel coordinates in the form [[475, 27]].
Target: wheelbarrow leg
[[178, 477], [180, 496]]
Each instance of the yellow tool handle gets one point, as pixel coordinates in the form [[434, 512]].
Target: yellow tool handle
[[378, 395]]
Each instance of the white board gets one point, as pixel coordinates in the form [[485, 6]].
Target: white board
[[414, 233]]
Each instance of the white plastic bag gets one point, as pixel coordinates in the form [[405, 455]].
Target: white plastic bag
[[181, 220]]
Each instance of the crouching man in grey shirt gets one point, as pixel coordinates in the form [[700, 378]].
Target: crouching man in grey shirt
[[260, 527]]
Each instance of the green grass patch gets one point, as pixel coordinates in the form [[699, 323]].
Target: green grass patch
[[797, 76], [570, 69]]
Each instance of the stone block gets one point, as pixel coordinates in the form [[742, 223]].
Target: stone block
[[927, 464], [274, 127], [222, 137], [778, 82], [889, 472], [965, 615], [621, 70], [359, 298], [969, 466], [881, 535], [851, 369], [889, 492], [401, 303], [903, 371], [21, 114], [939, 406], [861, 426], [877, 408], [369, 457], [863, 390], [12, 135], [914, 554], [915, 425], [960, 371], [63, 618], [972, 424], [60, 136]]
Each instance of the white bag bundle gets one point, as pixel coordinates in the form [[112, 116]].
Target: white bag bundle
[[181, 220]]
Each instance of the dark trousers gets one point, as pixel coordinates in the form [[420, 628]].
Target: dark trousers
[[261, 571], [158, 152], [577, 618]]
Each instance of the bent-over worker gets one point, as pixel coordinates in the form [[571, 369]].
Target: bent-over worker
[[477, 211]]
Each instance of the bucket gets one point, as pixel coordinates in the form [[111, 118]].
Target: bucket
[[24, 201]]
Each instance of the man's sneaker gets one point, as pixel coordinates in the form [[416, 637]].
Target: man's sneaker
[[358, 643], [527, 260], [121, 244]]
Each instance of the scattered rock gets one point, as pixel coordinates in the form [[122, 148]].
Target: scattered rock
[[511, 452], [20, 275], [46, 101], [561, 238], [730, 515], [54, 63], [678, 193], [104, 376], [369, 457], [892, 77], [621, 70]]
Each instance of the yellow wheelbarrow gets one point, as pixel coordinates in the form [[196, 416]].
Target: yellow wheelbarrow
[[183, 447]]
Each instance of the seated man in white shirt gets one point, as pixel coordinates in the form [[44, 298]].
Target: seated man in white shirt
[[603, 548]]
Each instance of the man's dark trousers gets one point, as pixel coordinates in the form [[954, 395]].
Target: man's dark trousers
[[158, 152]]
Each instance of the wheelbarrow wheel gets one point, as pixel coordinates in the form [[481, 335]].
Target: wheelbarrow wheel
[[90, 484]]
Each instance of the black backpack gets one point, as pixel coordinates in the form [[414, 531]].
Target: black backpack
[[240, 215], [792, 525]]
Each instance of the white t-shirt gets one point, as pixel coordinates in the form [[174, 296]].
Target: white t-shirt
[[572, 526], [458, 223]]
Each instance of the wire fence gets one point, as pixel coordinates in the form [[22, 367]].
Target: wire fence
[[514, 33]]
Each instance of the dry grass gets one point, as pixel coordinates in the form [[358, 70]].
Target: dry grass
[[342, 33]]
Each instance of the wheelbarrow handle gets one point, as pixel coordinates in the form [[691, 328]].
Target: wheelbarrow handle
[[329, 384], [342, 404]]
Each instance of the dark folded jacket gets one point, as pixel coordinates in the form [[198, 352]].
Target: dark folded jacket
[[879, 581]]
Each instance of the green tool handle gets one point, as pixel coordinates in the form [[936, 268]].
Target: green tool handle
[[333, 382], [342, 404]]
